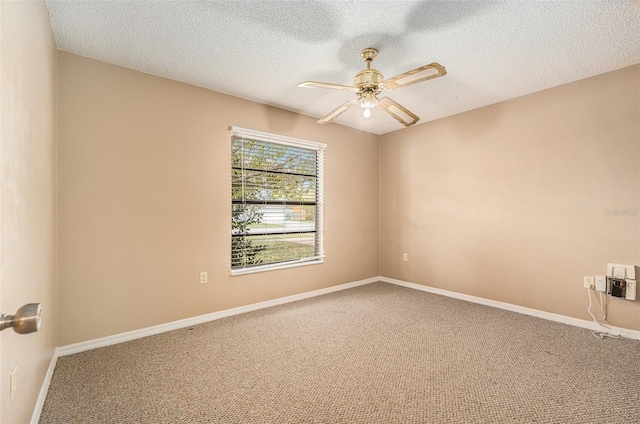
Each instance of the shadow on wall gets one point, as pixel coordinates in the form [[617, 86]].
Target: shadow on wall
[[279, 121], [484, 123]]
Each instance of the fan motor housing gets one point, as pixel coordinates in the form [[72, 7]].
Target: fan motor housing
[[368, 79]]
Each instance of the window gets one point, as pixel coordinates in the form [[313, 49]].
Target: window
[[276, 201]]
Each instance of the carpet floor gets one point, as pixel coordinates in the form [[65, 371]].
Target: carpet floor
[[377, 353]]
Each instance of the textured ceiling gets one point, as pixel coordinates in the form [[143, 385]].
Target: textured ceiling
[[260, 49]]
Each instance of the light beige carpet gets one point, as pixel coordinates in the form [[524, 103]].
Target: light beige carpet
[[373, 354]]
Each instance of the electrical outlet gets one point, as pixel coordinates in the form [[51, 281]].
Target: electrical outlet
[[589, 282], [203, 278], [13, 384], [405, 257]]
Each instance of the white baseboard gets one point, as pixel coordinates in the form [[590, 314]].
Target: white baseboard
[[150, 331], [37, 410], [624, 332]]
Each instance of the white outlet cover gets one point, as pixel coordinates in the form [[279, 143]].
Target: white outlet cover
[[13, 384], [601, 283], [588, 282]]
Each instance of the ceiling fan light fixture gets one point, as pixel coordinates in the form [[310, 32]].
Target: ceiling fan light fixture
[[369, 100]]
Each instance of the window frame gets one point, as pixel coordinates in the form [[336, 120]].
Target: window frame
[[320, 149]]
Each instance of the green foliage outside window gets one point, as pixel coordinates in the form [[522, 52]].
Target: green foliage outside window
[[265, 174]]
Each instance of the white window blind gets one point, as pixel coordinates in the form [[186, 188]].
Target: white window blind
[[277, 187]]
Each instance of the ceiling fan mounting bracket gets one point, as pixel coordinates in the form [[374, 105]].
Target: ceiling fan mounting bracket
[[369, 54]]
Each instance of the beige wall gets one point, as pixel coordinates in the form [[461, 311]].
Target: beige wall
[[145, 193], [27, 197], [508, 202]]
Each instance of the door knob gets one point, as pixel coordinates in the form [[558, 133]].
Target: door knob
[[25, 321]]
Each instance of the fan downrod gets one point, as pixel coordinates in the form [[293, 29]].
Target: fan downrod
[[368, 80]]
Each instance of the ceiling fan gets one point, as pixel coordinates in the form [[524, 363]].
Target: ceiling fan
[[368, 83]]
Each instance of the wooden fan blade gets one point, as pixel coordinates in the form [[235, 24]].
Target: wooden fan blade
[[337, 111], [399, 112], [315, 84], [426, 72]]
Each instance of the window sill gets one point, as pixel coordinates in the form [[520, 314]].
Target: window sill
[[275, 267]]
